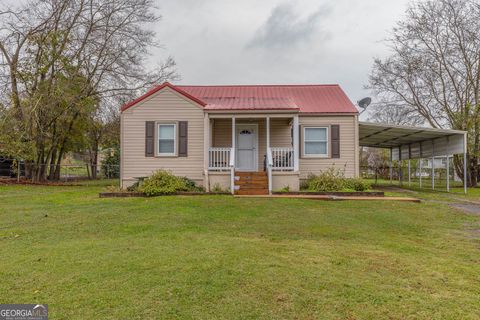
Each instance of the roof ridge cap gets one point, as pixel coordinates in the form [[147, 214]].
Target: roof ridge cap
[[259, 85]]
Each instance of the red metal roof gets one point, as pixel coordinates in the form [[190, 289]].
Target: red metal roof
[[304, 98]]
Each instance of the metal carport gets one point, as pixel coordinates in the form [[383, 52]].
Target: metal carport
[[407, 143]]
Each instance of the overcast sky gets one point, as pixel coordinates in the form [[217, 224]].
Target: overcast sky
[[277, 41]]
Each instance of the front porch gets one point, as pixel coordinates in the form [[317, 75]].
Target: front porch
[[252, 144]]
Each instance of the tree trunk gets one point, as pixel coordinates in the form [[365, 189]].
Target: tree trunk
[[93, 161], [472, 169], [56, 175], [39, 167], [28, 169], [51, 173]]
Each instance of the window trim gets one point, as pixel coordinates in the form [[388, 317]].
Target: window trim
[[327, 141], [175, 139]]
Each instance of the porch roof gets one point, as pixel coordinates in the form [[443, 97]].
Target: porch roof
[[412, 142]]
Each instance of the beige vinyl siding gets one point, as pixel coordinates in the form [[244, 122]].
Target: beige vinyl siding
[[280, 135], [164, 106], [348, 145], [222, 133]]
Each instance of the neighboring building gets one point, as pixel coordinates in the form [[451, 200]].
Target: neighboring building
[[221, 135], [440, 163]]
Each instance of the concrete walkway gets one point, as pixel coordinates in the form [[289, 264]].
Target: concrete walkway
[[331, 198]]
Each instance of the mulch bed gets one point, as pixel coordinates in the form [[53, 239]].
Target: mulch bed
[[339, 194], [121, 194], [140, 194]]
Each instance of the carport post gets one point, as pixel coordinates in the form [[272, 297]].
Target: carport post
[[420, 165], [465, 172], [400, 162], [465, 163], [448, 173], [433, 165], [433, 173], [409, 182], [391, 167], [448, 164]]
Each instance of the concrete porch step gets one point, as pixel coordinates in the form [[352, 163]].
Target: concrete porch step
[[252, 179], [251, 192]]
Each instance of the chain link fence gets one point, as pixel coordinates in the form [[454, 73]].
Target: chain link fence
[[419, 176], [67, 172]]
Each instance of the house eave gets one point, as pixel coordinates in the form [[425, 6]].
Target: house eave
[[245, 111]]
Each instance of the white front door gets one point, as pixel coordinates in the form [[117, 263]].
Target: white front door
[[246, 147]]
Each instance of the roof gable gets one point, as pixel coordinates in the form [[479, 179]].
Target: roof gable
[[159, 88]]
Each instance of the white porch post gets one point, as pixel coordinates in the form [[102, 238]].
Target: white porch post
[[233, 155], [268, 131], [269, 170], [206, 147], [296, 144]]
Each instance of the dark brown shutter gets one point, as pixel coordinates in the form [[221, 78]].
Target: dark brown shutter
[[149, 138], [335, 140], [182, 138]]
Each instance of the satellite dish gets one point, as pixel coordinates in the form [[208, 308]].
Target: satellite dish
[[364, 103]]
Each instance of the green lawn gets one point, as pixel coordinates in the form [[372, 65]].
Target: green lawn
[[440, 193], [216, 257]]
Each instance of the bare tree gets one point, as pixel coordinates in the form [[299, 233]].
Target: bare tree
[[103, 131], [61, 60], [375, 160], [434, 70], [394, 114]]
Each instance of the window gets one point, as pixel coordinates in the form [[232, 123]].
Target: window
[[166, 139], [315, 141]]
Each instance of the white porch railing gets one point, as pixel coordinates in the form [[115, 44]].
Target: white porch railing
[[282, 159], [219, 158]]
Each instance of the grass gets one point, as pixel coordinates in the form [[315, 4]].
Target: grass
[[425, 192], [217, 257]]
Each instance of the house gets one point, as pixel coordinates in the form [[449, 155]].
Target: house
[[270, 136], [255, 139]]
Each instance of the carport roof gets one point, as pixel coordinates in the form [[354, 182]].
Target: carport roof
[[381, 135]]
